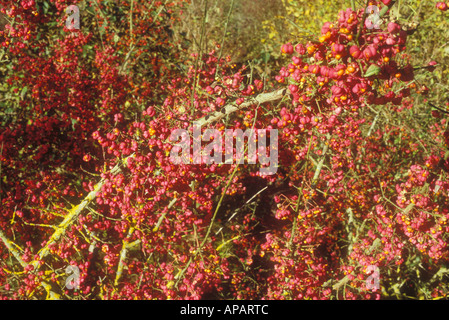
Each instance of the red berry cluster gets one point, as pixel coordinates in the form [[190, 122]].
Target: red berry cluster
[[350, 192]]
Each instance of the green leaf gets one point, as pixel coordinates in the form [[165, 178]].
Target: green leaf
[[23, 92], [265, 57], [46, 7], [373, 70], [9, 110], [375, 245], [74, 122]]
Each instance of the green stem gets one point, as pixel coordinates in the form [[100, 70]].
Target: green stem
[[224, 36], [200, 53], [382, 12], [386, 8], [131, 21]]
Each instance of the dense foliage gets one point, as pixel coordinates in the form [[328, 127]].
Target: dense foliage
[[86, 178]]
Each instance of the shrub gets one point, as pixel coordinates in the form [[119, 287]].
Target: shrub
[[361, 182]]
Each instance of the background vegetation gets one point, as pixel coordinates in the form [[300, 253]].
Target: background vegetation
[[85, 176]]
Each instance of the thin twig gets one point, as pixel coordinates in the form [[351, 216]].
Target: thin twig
[[362, 22], [320, 164], [224, 37], [131, 21], [431, 104], [199, 54]]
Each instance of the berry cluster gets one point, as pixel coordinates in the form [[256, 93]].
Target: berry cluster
[[90, 182]]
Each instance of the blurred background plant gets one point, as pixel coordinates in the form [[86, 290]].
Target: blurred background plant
[[73, 106]]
